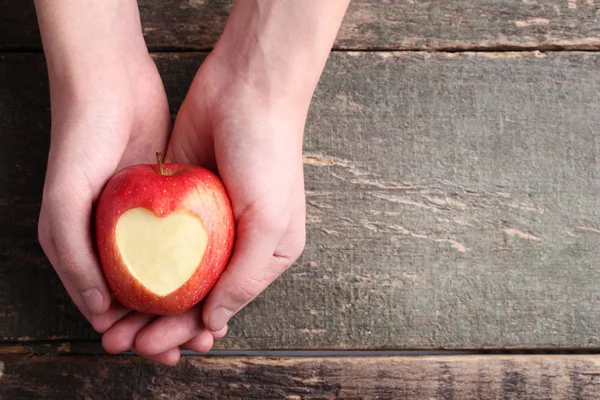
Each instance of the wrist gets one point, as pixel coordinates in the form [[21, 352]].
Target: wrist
[[87, 40], [249, 76], [278, 49]]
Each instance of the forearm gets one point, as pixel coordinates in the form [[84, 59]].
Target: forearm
[[280, 47], [87, 37]]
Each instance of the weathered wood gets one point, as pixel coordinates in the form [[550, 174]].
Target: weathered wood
[[455, 377], [392, 25], [453, 201]]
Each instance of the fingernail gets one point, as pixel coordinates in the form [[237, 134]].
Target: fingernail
[[218, 318], [93, 301]]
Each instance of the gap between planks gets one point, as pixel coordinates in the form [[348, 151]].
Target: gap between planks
[[95, 348], [584, 46]]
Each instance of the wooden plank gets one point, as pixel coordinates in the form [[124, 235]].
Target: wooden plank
[[449, 378], [392, 25], [453, 202]]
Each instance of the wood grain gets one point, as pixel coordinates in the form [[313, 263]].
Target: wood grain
[[448, 378], [453, 202], [387, 25]]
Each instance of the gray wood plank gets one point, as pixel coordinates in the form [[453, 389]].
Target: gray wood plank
[[392, 25], [453, 202], [453, 199], [458, 377]]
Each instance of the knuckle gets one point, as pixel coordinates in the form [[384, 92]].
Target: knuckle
[[293, 250], [281, 264], [244, 291]]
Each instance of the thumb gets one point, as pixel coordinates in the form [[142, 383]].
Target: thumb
[[246, 276], [192, 141], [66, 235]]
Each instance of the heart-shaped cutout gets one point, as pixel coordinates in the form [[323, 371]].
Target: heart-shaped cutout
[[162, 253]]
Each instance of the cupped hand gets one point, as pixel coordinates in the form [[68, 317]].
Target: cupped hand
[[112, 115], [253, 141]]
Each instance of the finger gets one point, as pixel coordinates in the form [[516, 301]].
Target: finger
[[75, 262], [101, 323], [121, 337], [242, 280], [169, 357], [191, 143], [201, 343], [115, 313], [220, 334], [171, 331], [293, 241]]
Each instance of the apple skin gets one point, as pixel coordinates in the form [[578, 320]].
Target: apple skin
[[186, 187]]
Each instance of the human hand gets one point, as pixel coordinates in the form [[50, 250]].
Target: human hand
[[254, 142], [98, 127], [109, 110]]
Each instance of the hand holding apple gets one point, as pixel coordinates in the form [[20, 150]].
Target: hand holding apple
[[165, 233], [108, 107]]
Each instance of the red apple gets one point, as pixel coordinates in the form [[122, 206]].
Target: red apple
[[165, 233]]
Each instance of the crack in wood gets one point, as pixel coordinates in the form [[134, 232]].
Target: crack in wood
[[522, 235], [587, 229]]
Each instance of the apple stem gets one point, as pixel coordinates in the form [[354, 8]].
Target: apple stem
[[159, 160]]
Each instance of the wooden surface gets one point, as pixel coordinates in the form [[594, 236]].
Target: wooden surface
[[452, 203], [385, 25], [449, 378]]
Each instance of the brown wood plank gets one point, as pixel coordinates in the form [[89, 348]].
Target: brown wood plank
[[453, 201], [436, 377], [395, 25]]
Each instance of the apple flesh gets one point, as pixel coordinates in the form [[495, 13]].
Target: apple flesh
[[148, 244], [165, 233]]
